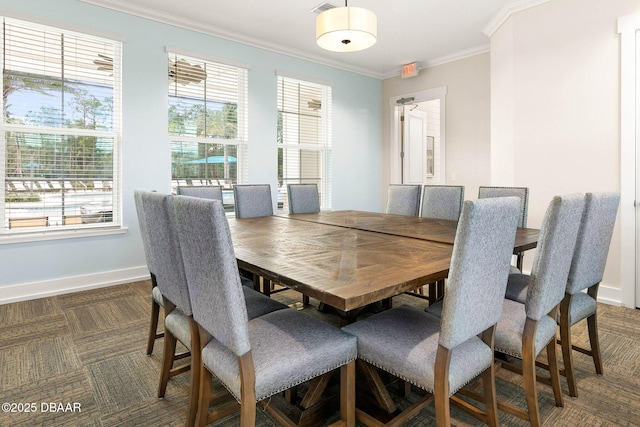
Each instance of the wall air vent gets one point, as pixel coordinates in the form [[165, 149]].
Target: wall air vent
[[322, 7]]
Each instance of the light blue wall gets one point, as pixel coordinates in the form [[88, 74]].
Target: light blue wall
[[357, 133]]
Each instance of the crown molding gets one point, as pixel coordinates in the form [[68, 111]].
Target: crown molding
[[630, 23], [62, 25], [165, 18], [467, 53], [506, 12]]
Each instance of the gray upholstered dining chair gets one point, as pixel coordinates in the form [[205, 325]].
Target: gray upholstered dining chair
[[442, 355], [442, 201], [526, 329], [167, 259], [252, 200], [159, 216], [587, 269], [156, 296], [303, 198], [404, 199], [521, 192], [241, 353], [204, 191]]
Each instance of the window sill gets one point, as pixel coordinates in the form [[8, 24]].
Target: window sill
[[40, 236]]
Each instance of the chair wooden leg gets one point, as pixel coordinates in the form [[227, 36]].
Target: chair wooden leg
[[203, 396], [441, 386], [247, 390], [529, 371], [348, 394], [592, 325], [194, 380], [153, 326], [552, 359], [168, 353], [565, 341], [489, 398], [489, 382], [155, 317]]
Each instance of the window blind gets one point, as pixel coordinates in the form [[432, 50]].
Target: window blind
[[207, 121], [60, 136], [304, 130]]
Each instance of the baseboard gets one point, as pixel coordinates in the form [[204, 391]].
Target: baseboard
[[47, 288], [609, 295]]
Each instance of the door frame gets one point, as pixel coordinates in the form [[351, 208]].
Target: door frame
[[421, 96], [628, 27]]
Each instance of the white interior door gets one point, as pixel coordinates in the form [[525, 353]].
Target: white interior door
[[414, 146]]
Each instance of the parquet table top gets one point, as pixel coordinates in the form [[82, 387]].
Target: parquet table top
[[436, 230], [349, 259], [345, 268]]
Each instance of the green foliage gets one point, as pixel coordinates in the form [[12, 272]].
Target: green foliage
[[16, 81], [207, 119], [21, 198], [87, 106]]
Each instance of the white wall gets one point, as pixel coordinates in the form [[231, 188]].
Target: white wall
[[48, 267], [555, 97], [467, 127]]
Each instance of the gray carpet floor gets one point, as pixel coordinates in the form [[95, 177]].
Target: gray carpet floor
[[79, 360]]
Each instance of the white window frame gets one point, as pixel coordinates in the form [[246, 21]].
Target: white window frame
[[325, 135], [241, 140], [59, 230]]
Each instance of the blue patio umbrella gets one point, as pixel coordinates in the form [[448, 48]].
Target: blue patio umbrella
[[31, 165], [212, 160]]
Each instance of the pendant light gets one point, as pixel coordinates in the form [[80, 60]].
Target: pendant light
[[346, 29]]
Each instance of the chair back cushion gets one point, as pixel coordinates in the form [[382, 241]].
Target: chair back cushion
[[521, 192], [213, 192], [303, 198], [142, 223], [404, 199], [594, 238], [165, 249], [252, 201], [479, 269], [442, 201], [212, 272], [556, 243]]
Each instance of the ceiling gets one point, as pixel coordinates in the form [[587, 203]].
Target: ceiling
[[429, 32]]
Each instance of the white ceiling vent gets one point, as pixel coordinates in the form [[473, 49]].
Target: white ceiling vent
[[323, 7]]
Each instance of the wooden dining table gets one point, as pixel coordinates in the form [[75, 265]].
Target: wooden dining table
[[346, 268], [350, 259]]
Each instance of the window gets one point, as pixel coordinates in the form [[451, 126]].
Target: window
[[207, 122], [304, 136], [60, 129]]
